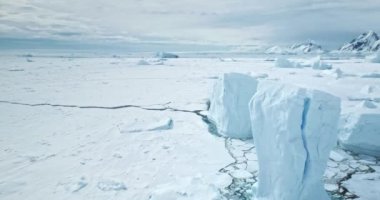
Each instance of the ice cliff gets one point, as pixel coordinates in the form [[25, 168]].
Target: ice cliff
[[294, 130], [229, 105]]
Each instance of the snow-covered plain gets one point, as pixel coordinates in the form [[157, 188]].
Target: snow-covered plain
[[109, 128]]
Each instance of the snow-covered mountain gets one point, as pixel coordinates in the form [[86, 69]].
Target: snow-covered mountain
[[307, 47], [277, 50], [368, 41], [299, 48]]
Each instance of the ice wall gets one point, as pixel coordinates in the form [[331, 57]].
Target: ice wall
[[294, 131], [229, 105]]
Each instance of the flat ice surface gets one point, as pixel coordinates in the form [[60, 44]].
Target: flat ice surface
[[294, 130], [62, 120]]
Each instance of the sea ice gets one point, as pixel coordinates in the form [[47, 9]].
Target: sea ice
[[294, 130], [359, 132], [229, 105], [366, 186]]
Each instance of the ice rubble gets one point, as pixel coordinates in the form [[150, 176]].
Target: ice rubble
[[294, 130], [229, 105], [359, 132]]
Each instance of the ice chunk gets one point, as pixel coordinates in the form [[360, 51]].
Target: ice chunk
[[111, 185], [331, 187], [166, 55], [317, 63], [371, 75], [143, 62], [285, 63], [294, 130], [360, 132], [338, 156], [140, 126], [229, 105], [367, 104], [164, 124], [368, 89], [336, 73]]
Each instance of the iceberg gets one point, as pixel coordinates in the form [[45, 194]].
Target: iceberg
[[166, 55], [285, 63], [229, 105], [317, 63], [143, 62], [294, 130], [360, 132]]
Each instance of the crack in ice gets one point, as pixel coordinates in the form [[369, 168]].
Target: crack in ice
[[305, 111]]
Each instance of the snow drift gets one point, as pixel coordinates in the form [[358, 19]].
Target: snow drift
[[229, 105], [294, 130]]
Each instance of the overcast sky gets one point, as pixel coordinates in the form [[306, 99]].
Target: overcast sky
[[190, 21]]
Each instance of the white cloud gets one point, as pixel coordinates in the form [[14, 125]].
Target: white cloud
[[200, 21]]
